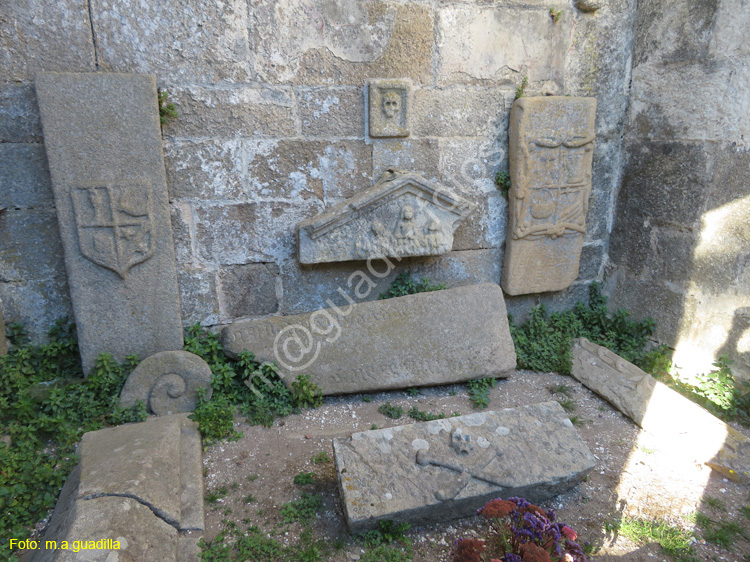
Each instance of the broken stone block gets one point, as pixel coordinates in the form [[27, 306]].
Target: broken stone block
[[441, 337], [103, 144], [681, 423], [167, 383], [402, 215], [389, 108], [551, 141], [445, 469]]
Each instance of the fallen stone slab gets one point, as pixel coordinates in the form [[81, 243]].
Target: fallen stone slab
[[445, 469], [681, 423], [442, 337], [167, 382], [103, 143], [138, 484]]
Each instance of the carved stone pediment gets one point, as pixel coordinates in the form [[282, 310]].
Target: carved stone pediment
[[402, 215]]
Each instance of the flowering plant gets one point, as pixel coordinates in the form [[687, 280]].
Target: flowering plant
[[520, 532]]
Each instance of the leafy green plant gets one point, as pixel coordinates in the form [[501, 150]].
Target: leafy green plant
[[304, 478], [306, 393], [215, 418], [520, 90], [502, 181], [404, 285], [167, 111], [413, 391], [387, 532], [390, 411], [419, 415], [555, 15], [479, 391], [303, 509], [321, 458], [215, 495], [674, 540]]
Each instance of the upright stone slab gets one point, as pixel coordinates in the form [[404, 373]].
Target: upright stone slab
[[444, 469], [103, 143], [551, 149], [402, 215], [441, 337], [658, 409]]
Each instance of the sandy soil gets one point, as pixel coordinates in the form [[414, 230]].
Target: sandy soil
[[636, 475]]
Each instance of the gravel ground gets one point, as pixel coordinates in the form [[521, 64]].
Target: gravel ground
[[637, 474]]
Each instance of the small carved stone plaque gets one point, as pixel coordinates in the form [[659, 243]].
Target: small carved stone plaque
[[401, 215], [443, 469], [551, 150], [389, 108]]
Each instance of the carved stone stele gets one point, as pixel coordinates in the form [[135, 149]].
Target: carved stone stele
[[389, 108], [402, 215], [551, 150]]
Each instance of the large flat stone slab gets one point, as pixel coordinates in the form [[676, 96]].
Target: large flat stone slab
[[103, 144], [444, 469], [433, 338], [402, 215], [681, 423], [551, 146]]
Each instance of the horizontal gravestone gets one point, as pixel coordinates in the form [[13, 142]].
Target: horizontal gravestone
[[441, 337], [103, 143], [662, 411], [402, 215], [551, 150], [444, 469]]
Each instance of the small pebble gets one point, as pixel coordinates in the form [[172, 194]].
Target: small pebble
[[308, 436]]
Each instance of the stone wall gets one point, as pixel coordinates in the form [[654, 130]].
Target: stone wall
[[272, 129], [680, 247]]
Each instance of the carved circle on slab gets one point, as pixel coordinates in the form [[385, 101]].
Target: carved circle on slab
[[167, 382]]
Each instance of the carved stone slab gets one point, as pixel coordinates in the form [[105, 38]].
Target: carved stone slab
[[444, 469], [401, 215], [167, 382], [425, 339], [662, 411], [551, 149], [389, 108], [103, 143]]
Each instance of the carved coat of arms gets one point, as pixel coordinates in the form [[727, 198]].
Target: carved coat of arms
[[115, 224]]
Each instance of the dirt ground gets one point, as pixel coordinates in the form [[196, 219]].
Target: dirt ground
[[636, 475]]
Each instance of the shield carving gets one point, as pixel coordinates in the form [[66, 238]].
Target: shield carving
[[115, 225]]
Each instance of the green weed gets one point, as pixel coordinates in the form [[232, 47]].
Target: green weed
[[304, 478], [390, 411], [303, 509], [560, 389], [568, 405], [306, 393], [321, 458], [672, 539], [502, 181], [419, 415], [167, 111], [555, 15], [404, 285], [215, 495], [521, 89], [479, 391]]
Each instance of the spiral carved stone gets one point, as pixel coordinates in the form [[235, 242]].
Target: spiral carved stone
[[167, 382]]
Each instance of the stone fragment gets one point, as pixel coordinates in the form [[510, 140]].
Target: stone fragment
[[389, 108], [3, 339], [681, 423], [424, 339], [551, 149], [401, 215], [167, 382], [444, 469], [103, 143]]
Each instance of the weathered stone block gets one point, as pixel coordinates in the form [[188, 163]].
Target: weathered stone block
[[184, 40], [38, 303], [24, 176], [167, 383], [249, 290], [401, 215], [457, 112], [424, 339], [298, 169], [346, 43], [432, 471], [34, 37], [198, 296], [474, 43], [19, 115], [204, 169], [592, 259], [551, 148], [181, 215], [230, 112], [30, 245], [471, 164], [103, 143], [487, 229], [332, 112], [3, 339], [662, 411], [145, 461], [389, 108], [421, 156]]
